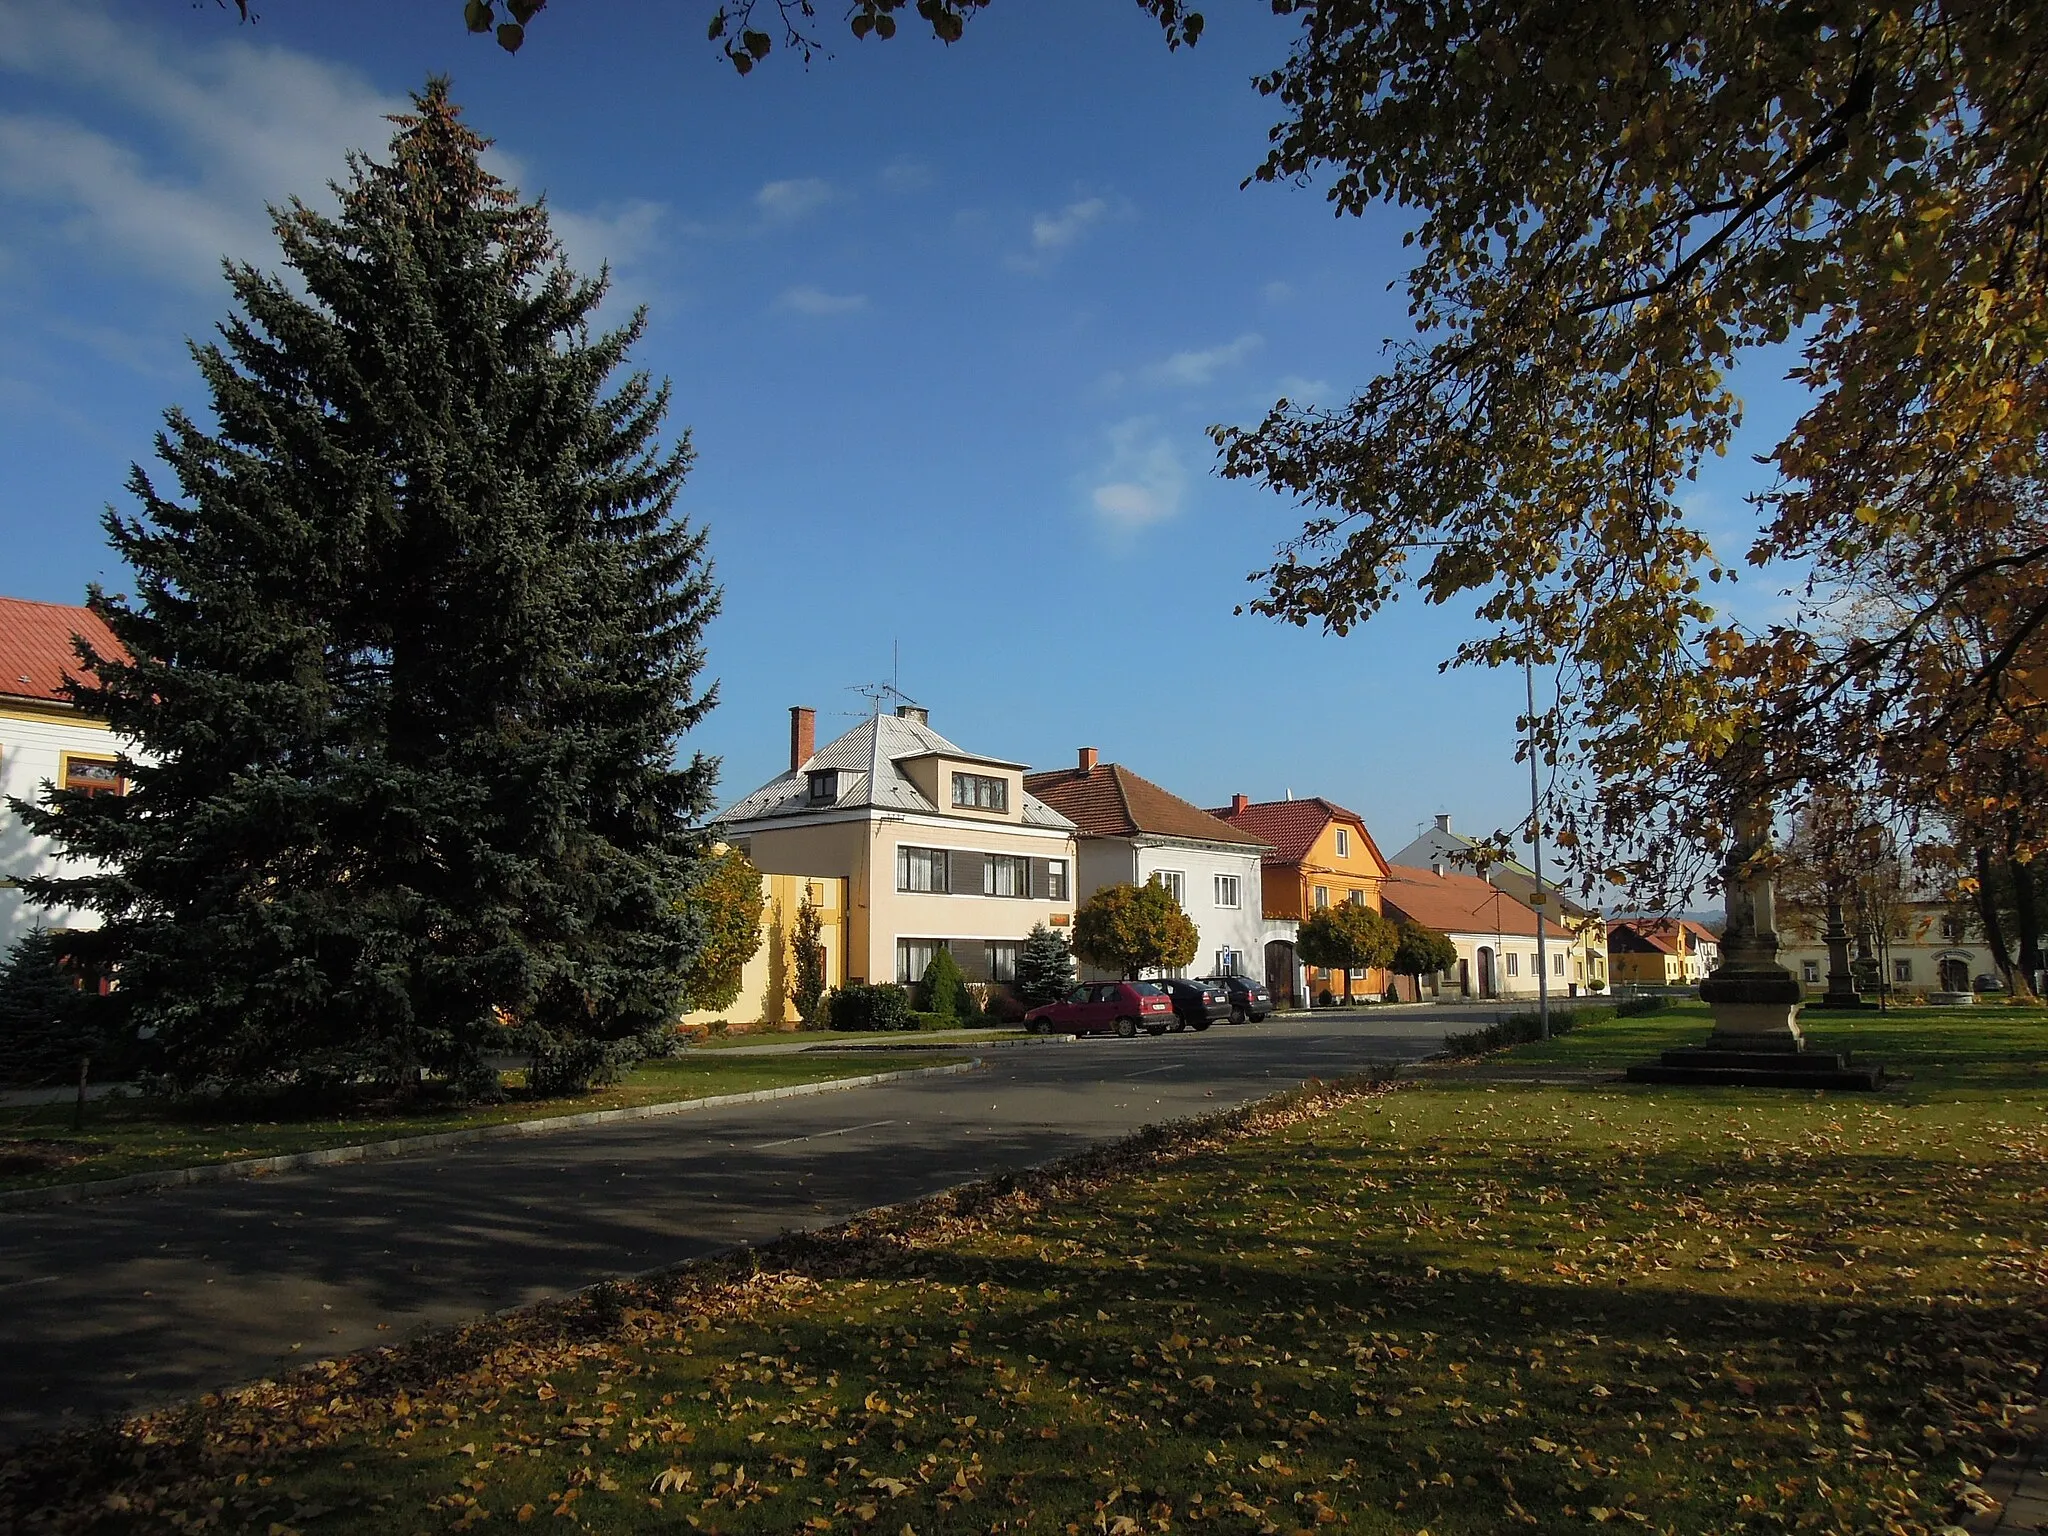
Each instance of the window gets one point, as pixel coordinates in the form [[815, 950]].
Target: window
[[1056, 879], [824, 786], [912, 956], [1354, 898], [1514, 963], [1322, 895], [1175, 883], [1952, 927], [1229, 963], [1902, 970], [1226, 890], [1809, 972], [980, 792], [1005, 874], [1343, 843], [93, 776], [1002, 961], [1557, 963], [921, 869]]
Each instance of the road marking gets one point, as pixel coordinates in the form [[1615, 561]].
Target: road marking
[[844, 1130], [36, 1280], [1147, 1071]]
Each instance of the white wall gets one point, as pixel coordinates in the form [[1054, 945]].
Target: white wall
[[1108, 861], [32, 745]]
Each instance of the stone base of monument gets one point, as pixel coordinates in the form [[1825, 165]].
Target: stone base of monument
[[1711, 1065], [1827, 1003], [1951, 999]]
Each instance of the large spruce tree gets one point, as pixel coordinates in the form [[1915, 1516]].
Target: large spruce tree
[[410, 655]]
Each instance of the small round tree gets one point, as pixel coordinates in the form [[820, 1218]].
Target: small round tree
[[1420, 952], [727, 903], [943, 989], [1128, 929], [1348, 937], [807, 983], [1045, 967]]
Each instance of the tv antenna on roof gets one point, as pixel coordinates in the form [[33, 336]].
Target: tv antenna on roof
[[881, 696]]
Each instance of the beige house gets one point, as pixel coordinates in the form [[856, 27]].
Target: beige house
[[766, 979], [938, 846]]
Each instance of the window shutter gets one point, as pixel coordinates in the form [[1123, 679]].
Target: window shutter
[[967, 876], [972, 957]]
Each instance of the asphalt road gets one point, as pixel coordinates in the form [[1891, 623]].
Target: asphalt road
[[130, 1301]]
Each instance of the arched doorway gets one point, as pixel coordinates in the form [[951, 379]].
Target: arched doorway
[[1280, 972], [1485, 972], [1955, 974]]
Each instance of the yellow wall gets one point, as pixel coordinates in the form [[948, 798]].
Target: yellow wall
[[765, 982], [1355, 870]]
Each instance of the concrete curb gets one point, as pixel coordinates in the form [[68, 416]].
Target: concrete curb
[[255, 1167]]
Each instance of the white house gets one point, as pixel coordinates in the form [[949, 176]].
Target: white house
[[44, 740], [1131, 832], [1494, 935]]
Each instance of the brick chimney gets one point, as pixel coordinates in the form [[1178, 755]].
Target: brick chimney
[[915, 714], [803, 736], [1087, 759], [1239, 804]]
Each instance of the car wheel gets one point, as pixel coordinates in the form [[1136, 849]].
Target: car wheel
[[1238, 1015], [1128, 1028], [1200, 1026], [1258, 1018]]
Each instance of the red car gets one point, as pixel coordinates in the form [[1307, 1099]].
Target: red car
[[1094, 1006]]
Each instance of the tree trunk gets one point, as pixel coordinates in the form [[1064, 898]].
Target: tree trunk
[[2028, 912], [1994, 928]]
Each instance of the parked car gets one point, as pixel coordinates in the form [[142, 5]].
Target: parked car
[[1249, 999], [1097, 1007], [1197, 1004]]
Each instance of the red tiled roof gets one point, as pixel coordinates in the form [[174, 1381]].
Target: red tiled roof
[[1662, 933], [1291, 827], [35, 646], [1111, 801], [1452, 903]]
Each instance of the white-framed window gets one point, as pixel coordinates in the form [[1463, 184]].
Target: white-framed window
[[1226, 890], [921, 869], [1557, 963], [1005, 874], [1055, 879], [824, 785], [1002, 960], [1229, 963], [1322, 895], [1902, 970], [912, 956], [980, 792], [1176, 884], [1809, 971], [1343, 842], [1514, 963], [1354, 898]]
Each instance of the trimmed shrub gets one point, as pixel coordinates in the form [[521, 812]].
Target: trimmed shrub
[[1001, 1005], [943, 988], [880, 1006], [1636, 1007], [1521, 1028]]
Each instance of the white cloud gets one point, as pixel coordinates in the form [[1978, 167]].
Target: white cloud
[[1057, 231], [1142, 481], [1191, 368], [209, 135], [786, 201], [1277, 292], [807, 300], [906, 176], [1297, 390]]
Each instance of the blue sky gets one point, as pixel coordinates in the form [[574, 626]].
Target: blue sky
[[947, 326]]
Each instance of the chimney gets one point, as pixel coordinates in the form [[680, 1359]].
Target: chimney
[[803, 736], [1087, 759], [1443, 822], [915, 714], [1239, 804]]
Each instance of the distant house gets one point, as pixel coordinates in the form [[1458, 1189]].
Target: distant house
[[941, 847], [1318, 855], [1936, 944], [1661, 951], [1494, 934], [1133, 832], [1585, 963], [45, 739]]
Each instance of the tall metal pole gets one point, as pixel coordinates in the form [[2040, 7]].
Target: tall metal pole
[[1536, 859]]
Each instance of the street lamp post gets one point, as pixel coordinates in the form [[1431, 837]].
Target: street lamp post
[[1537, 898]]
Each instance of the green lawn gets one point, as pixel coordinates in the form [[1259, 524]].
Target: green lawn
[[1452, 1306], [136, 1135]]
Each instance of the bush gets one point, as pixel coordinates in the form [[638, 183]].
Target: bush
[[48, 1022], [944, 988], [879, 1006], [1001, 1006], [1521, 1028], [1635, 1007]]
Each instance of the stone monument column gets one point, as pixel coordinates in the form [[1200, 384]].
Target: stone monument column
[[1841, 992], [1755, 1000]]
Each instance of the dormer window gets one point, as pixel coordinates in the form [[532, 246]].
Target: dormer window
[[980, 792], [824, 786]]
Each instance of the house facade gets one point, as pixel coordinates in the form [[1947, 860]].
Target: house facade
[[1132, 832], [766, 979], [1661, 951], [1493, 933], [1319, 855], [45, 739], [1585, 963], [1935, 945], [939, 846]]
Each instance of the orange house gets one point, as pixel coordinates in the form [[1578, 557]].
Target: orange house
[[1321, 855]]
